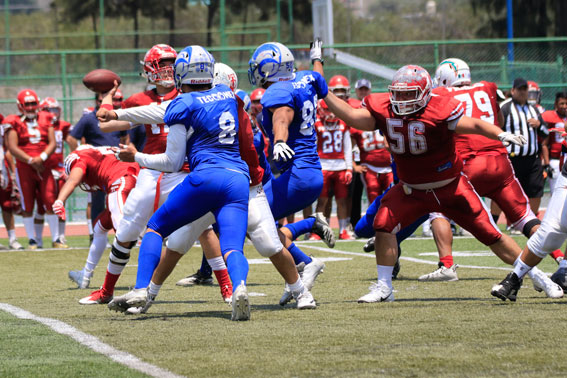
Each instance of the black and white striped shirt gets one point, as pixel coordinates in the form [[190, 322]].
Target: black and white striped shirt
[[515, 121]]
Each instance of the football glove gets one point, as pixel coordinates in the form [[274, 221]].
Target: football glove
[[508, 138], [282, 151], [348, 176], [59, 209], [316, 50], [548, 171]]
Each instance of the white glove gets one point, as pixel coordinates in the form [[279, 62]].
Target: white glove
[[282, 151], [59, 209], [315, 53], [508, 138]]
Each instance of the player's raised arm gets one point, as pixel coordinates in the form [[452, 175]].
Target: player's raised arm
[[358, 118], [468, 125], [316, 55]]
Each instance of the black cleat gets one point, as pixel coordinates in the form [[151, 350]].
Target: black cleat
[[323, 230], [369, 246], [508, 288]]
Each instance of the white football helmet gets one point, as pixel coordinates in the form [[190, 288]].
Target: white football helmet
[[194, 66], [452, 72], [271, 62], [225, 75]]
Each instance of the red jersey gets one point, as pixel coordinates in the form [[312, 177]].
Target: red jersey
[[156, 134], [32, 134], [422, 143], [480, 102], [372, 147], [553, 119], [100, 167], [246, 144], [355, 103], [61, 130], [330, 139]]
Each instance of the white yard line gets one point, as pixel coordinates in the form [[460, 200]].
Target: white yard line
[[405, 258], [92, 342]]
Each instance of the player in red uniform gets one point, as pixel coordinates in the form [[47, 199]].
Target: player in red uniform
[[7, 193], [556, 118], [486, 165], [335, 151], [96, 168], [420, 129], [61, 130], [30, 138]]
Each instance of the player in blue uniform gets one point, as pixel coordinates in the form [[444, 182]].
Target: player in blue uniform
[[289, 109], [203, 126]]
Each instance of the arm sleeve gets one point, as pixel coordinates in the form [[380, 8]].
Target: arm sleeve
[[321, 86], [348, 150], [147, 114], [172, 159]]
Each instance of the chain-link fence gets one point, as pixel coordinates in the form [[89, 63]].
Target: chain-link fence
[[58, 73]]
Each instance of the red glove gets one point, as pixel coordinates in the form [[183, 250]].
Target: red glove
[[59, 209]]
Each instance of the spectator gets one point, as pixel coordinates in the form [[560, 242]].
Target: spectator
[[519, 117]]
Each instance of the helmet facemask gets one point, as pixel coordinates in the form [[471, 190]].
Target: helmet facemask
[[407, 100]]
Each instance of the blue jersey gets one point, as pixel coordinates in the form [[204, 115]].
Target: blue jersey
[[300, 94], [211, 120]]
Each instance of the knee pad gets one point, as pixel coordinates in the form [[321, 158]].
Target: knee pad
[[529, 225], [267, 244], [119, 255], [129, 230]]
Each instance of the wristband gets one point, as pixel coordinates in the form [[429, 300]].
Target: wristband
[[43, 156], [318, 59], [30, 160], [107, 107], [279, 141]]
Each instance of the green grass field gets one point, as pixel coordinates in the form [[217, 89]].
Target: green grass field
[[432, 329]]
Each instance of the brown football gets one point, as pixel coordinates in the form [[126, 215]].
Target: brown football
[[100, 80]]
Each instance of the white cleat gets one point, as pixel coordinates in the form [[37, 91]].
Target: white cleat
[[133, 298], [286, 296], [379, 292], [441, 274], [16, 245], [141, 309], [240, 303], [305, 301], [543, 283], [80, 278], [311, 271]]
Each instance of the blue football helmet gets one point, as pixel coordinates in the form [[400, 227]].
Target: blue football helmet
[[245, 98], [271, 62], [194, 65]]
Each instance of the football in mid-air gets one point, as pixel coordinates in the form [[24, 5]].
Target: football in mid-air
[[100, 80]]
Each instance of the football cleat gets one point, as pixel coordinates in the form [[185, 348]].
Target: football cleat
[[16, 245], [311, 271], [441, 274], [369, 246], [379, 292], [133, 298], [286, 296], [195, 279], [345, 235], [142, 309], [560, 278], [32, 244], [240, 303], [59, 244], [313, 237], [507, 288], [80, 278], [543, 283], [96, 297], [305, 301], [323, 230]]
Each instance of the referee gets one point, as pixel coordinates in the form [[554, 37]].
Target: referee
[[518, 117]]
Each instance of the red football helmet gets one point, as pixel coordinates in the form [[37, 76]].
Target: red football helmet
[[51, 105], [534, 93], [155, 69], [324, 113], [340, 86], [255, 98], [28, 103], [410, 90]]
